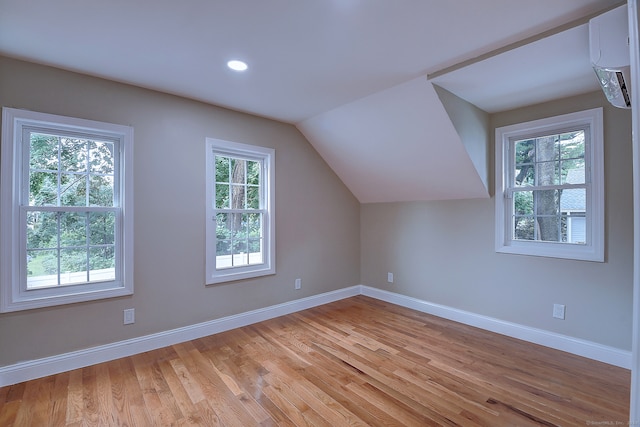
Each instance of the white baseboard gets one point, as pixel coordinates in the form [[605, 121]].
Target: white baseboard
[[25, 371], [611, 355]]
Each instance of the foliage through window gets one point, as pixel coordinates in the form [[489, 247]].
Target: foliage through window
[[66, 218], [549, 200], [66, 246], [240, 211]]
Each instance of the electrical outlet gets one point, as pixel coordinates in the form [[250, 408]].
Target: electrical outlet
[[558, 311], [298, 283], [129, 316], [390, 277]]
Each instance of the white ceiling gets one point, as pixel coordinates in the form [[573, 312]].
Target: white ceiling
[[328, 66]]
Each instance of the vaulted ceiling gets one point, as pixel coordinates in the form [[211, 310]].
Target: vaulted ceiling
[[355, 76]]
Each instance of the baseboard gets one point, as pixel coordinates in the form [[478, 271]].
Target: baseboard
[[25, 371], [588, 349]]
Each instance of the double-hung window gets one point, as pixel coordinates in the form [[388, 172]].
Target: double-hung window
[[240, 226], [66, 210], [550, 187]]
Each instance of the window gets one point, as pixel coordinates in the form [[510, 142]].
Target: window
[[67, 217], [550, 187], [240, 211]]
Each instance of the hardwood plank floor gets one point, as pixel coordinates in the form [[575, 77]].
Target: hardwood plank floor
[[355, 362]]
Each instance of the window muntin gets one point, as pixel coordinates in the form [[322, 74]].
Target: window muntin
[[239, 216], [65, 245], [549, 187], [240, 211], [65, 235]]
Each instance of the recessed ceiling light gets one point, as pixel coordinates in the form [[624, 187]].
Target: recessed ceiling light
[[236, 65]]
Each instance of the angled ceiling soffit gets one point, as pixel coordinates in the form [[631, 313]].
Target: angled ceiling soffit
[[398, 144]]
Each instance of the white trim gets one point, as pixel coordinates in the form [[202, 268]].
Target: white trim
[[634, 50], [594, 156], [13, 297], [267, 157], [25, 371], [591, 350]]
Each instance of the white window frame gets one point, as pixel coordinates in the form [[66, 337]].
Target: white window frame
[[267, 158], [593, 250], [14, 295]]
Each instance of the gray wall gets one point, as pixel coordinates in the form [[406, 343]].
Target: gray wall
[[317, 217], [443, 252], [472, 125]]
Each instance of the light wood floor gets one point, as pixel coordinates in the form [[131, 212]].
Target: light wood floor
[[357, 361]]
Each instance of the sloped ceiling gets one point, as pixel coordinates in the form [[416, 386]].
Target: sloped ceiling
[[351, 74], [548, 68], [396, 145]]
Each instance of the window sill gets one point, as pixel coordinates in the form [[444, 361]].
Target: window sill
[[553, 250], [231, 275]]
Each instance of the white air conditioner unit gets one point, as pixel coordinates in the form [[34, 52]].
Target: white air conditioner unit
[[609, 52]]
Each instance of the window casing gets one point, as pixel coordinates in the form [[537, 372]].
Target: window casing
[[67, 210], [240, 225], [550, 187]]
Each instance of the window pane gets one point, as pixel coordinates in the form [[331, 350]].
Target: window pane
[[102, 228], [222, 196], [574, 201], [253, 173], [102, 262], [73, 155], [576, 229], [524, 228], [73, 229], [523, 202], [546, 148], [255, 251], [43, 189], [255, 224], [101, 191], [42, 230], [525, 175], [238, 227], [255, 238], [43, 152], [525, 151], [73, 266], [223, 247], [223, 241], [573, 171], [547, 173], [222, 169], [572, 145], [550, 228], [547, 202], [223, 230], [237, 171], [547, 209], [73, 190], [101, 157], [240, 248], [42, 269], [253, 197], [238, 197]]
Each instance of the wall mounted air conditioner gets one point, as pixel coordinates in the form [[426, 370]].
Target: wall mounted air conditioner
[[609, 52]]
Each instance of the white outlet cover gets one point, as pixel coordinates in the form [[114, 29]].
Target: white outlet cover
[[558, 311], [129, 316]]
